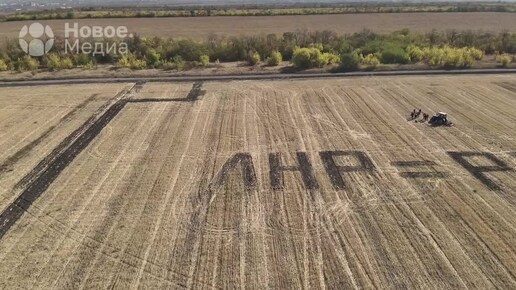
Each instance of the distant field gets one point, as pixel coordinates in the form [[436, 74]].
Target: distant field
[[312, 184], [201, 27]]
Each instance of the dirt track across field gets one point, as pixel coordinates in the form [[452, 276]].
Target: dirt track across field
[[201, 27], [267, 184]]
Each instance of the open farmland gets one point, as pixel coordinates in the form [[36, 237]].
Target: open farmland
[[201, 27], [34, 120], [317, 183]]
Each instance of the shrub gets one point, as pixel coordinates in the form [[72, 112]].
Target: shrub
[[433, 55], [55, 62], [302, 57], [456, 58], [415, 53], [312, 57], [204, 60], [83, 60], [178, 62], [344, 47], [371, 61], [449, 57], [275, 59], [66, 63], [153, 58], [26, 63], [395, 55], [331, 58], [253, 58], [475, 53], [3, 65], [503, 59], [168, 65], [129, 60], [349, 62]]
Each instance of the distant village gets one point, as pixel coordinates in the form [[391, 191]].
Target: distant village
[[26, 6]]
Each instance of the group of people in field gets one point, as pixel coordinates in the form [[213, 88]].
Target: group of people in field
[[415, 114]]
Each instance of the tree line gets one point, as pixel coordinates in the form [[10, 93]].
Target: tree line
[[304, 49], [352, 8]]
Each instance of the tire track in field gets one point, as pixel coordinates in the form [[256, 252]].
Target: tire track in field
[[282, 121], [26, 116], [263, 271], [67, 230], [224, 119], [265, 119], [301, 199], [486, 216], [191, 228], [10, 161], [197, 204], [476, 228], [47, 186], [392, 133], [158, 223], [39, 179], [116, 204], [329, 217], [469, 230], [471, 144], [73, 137], [396, 133], [375, 234], [361, 126], [315, 202], [364, 108], [135, 186], [65, 201]]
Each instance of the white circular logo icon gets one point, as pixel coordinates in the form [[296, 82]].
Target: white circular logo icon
[[36, 39]]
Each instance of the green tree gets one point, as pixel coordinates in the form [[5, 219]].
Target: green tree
[[349, 62], [153, 58], [395, 55]]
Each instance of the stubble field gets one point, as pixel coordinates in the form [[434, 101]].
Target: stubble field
[[319, 183], [201, 27]]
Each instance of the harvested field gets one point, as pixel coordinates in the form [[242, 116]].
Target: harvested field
[[34, 120], [201, 27], [274, 184]]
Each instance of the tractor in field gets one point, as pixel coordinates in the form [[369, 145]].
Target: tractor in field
[[440, 119]]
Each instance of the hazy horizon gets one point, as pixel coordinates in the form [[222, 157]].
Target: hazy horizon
[[143, 2]]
